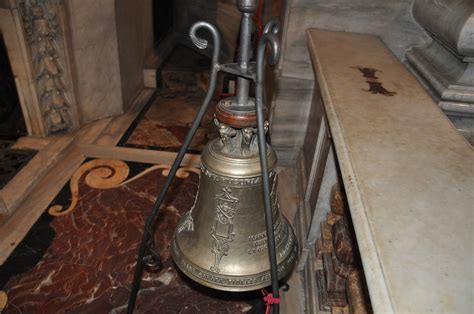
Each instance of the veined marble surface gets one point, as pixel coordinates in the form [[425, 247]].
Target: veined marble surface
[[95, 45], [290, 117], [408, 174], [80, 255], [391, 20]]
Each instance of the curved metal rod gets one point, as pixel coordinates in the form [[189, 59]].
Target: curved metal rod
[[271, 31], [272, 26], [270, 37], [147, 234]]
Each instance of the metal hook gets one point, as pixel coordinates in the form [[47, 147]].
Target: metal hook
[[201, 43], [270, 35], [272, 26]]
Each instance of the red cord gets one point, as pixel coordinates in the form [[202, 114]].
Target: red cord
[[258, 18], [269, 300]]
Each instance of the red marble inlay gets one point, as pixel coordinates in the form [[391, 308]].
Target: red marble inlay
[[88, 267], [167, 121]]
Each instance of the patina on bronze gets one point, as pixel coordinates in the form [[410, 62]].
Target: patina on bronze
[[222, 241]]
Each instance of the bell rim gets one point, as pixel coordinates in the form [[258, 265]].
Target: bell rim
[[285, 267]]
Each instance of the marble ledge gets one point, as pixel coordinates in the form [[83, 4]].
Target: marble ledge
[[407, 166]]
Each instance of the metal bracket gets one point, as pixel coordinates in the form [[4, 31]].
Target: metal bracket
[[234, 68]]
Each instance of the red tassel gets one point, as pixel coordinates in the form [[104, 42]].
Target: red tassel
[[269, 300]]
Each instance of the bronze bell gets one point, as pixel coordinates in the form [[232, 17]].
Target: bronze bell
[[221, 242]]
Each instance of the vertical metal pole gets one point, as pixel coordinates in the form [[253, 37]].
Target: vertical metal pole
[[268, 37], [247, 9]]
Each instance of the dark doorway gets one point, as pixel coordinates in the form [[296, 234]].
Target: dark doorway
[[12, 123], [163, 19]]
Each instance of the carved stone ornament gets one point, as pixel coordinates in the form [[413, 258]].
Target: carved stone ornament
[[446, 65], [47, 51]]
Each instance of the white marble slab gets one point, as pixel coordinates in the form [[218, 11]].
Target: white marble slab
[[408, 174]]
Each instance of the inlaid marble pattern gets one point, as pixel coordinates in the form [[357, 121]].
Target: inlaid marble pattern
[[80, 255], [166, 121]]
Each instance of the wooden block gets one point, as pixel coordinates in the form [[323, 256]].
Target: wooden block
[[344, 242], [359, 301], [332, 218], [326, 231], [323, 246], [340, 268], [334, 282], [322, 292], [341, 310], [338, 200], [328, 299]]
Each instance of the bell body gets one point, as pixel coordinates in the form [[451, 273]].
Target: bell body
[[222, 242]]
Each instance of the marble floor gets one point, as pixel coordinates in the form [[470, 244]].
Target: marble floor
[[80, 254], [70, 241], [165, 121]]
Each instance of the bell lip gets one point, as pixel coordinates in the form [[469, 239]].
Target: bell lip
[[281, 275], [289, 261], [242, 167]]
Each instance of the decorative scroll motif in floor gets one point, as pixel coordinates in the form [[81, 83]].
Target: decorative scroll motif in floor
[[80, 255]]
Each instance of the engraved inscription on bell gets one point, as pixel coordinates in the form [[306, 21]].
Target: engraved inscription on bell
[[222, 242], [222, 231]]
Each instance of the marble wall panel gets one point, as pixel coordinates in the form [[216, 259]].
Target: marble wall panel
[[450, 21], [133, 19], [389, 19], [95, 47], [290, 117]]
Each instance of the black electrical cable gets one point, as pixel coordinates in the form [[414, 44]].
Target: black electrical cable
[[269, 36], [147, 234]]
